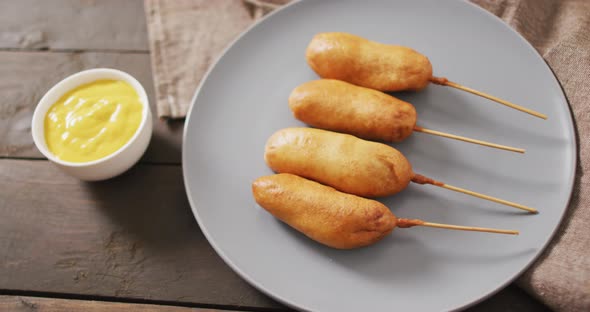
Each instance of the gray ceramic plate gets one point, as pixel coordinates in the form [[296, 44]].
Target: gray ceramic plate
[[243, 101]]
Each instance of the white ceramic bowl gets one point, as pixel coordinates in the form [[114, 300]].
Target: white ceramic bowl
[[110, 165]]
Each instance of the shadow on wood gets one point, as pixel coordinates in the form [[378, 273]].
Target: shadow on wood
[[161, 222], [165, 146]]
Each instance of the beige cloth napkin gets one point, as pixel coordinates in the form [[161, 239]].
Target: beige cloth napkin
[[187, 36], [560, 31]]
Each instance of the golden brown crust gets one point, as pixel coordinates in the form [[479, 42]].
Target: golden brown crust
[[420, 179], [367, 63], [333, 218], [439, 80], [343, 161], [340, 106], [408, 223]]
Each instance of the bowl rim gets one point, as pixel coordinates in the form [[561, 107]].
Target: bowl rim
[[39, 140]]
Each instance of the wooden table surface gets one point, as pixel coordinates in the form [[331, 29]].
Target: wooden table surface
[[130, 243]]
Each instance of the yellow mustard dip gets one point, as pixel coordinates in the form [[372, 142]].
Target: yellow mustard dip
[[93, 120]]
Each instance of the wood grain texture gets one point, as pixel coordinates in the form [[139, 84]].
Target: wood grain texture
[[26, 76], [36, 304], [128, 237], [73, 25], [133, 236], [509, 300]]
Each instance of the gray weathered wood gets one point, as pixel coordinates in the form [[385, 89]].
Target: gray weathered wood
[[26, 76], [73, 25], [36, 304], [510, 299], [133, 236]]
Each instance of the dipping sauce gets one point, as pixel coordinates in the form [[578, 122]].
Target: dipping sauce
[[93, 120]]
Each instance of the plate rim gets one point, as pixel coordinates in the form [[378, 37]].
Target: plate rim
[[298, 306]]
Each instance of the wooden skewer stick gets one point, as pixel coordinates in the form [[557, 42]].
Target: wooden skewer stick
[[464, 139], [406, 223], [445, 82], [420, 179]]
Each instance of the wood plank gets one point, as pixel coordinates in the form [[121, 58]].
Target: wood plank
[[26, 76], [36, 304], [133, 236], [510, 299], [73, 25], [128, 237]]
